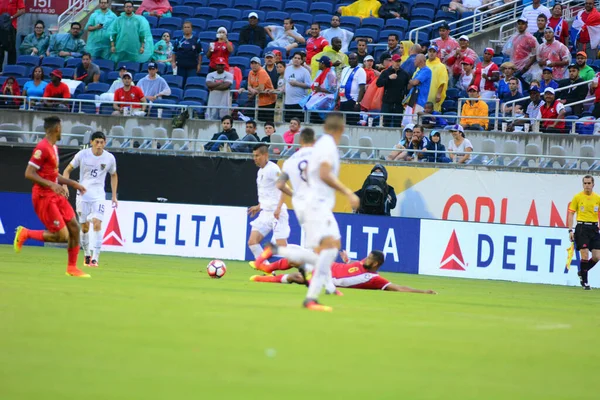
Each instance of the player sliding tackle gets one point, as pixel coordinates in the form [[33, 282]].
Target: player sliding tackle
[[349, 274], [93, 164]]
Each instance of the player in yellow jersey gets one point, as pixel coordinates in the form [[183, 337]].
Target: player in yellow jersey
[[586, 205]]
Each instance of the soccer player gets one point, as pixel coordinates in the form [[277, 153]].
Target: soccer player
[[349, 274], [272, 213], [93, 163], [50, 199], [586, 237]]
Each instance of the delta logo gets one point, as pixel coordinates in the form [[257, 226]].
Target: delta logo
[[453, 258], [112, 236]]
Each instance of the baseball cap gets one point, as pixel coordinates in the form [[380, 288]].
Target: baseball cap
[[220, 61], [473, 87], [549, 90], [456, 127], [489, 50], [367, 58], [396, 57], [548, 29], [464, 37], [325, 60], [255, 60], [276, 52], [253, 15], [57, 72], [433, 47], [581, 53], [128, 74], [576, 66], [444, 25], [534, 88], [434, 133], [122, 67], [152, 65], [269, 54], [546, 69], [468, 60], [522, 19]]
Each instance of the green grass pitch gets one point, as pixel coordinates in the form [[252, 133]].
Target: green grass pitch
[[151, 327]]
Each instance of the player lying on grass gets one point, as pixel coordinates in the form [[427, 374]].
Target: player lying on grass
[[349, 274]]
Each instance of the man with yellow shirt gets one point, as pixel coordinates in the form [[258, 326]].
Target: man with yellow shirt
[[586, 237]]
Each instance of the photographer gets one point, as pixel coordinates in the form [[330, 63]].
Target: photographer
[[376, 196]]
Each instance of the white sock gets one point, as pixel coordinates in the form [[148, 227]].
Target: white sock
[[326, 258], [284, 279], [256, 250], [85, 242], [298, 255], [309, 268], [97, 245]]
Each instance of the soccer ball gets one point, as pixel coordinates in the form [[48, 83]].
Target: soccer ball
[[216, 269]]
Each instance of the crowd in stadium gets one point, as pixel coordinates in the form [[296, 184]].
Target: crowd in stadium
[[297, 56]]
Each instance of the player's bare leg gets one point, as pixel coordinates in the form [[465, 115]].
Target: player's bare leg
[[254, 243], [97, 242], [73, 249], [85, 243], [23, 234]]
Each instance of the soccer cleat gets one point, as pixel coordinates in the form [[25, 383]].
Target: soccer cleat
[[87, 260], [253, 265], [336, 293], [265, 255], [254, 278], [20, 238], [305, 274], [77, 273], [587, 287], [315, 306], [94, 264]]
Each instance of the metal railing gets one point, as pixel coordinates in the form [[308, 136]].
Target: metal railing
[[73, 10], [487, 101]]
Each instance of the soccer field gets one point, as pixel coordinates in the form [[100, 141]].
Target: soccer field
[[151, 327]]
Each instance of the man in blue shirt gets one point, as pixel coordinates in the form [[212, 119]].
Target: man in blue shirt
[[418, 88]]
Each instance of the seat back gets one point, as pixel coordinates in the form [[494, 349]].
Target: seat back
[[277, 144]]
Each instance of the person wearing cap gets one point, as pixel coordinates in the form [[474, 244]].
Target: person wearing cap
[[323, 96], [260, 87], [462, 52], [583, 42], [297, 81], [394, 80], [220, 48], [486, 74], [155, 8], [553, 54], [531, 12], [152, 85], [98, 28], [287, 36], [508, 71], [542, 22], [467, 76], [435, 150], [522, 48], [187, 53], [532, 109], [253, 33], [218, 82], [393, 47], [67, 45], [573, 94], [86, 71], [586, 72], [459, 147], [315, 43], [372, 74], [552, 113], [339, 60], [352, 89], [559, 24], [472, 109], [446, 45], [116, 84], [133, 95], [547, 80], [271, 68], [360, 8], [419, 88], [463, 6], [400, 154], [56, 90], [130, 37], [439, 78]]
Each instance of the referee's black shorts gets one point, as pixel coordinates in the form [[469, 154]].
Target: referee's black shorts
[[587, 236]]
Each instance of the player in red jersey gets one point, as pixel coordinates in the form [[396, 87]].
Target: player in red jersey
[[49, 198], [350, 274]]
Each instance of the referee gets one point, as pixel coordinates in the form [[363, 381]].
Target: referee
[[586, 205]]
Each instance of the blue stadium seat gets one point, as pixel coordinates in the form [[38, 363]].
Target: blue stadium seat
[[422, 13], [167, 111], [112, 76], [323, 20], [401, 24], [383, 35], [139, 75], [237, 26], [72, 62], [498, 60], [449, 105], [417, 23], [172, 23], [68, 73], [47, 71], [131, 66], [17, 71], [175, 81], [198, 24], [207, 37], [152, 20], [53, 62], [220, 4], [261, 15], [422, 38], [240, 61], [446, 15], [206, 13], [183, 11], [276, 17], [196, 95], [28, 61], [269, 5], [88, 108], [230, 14], [22, 81], [300, 49], [295, 7], [157, 33], [176, 94], [197, 107], [97, 88], [373, 23], [281, 49], [245, 4], [366, 32], [193, 3], [452, 94], [248, 50], [351, 23], [422, 5], [216, 24], [303, 18], [197, 82], [321, 7]]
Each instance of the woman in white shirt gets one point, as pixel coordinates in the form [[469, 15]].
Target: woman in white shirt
[[459, 147]]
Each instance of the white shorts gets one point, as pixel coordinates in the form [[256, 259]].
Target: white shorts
[[266, 222], [319, 225], [88, 210]]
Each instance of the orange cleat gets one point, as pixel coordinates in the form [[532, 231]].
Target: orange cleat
[[20, 238], [315, 306], [264, 256], [77, 273]]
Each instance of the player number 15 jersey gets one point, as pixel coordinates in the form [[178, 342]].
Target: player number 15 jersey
[[92, 172]]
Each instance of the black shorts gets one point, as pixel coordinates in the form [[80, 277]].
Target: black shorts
[[587, 237]]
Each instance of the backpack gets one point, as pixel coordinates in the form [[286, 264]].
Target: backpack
[[374, 194], [180, 120]]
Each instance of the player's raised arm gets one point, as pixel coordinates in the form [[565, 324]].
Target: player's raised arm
[[397, 288]]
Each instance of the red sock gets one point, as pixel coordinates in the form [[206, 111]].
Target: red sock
[[36, 235], [269, 278], [280, 265], [73, 253]]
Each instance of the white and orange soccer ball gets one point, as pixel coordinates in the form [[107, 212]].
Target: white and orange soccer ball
[[216, 269]]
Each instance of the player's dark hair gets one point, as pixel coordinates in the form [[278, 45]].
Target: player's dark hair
[[543, 16], [379, 257], [261, 148], [98, 135], [50, 123], [307, 135], [394, 35], [229, 117], [251, 122], [289, 19], [588, 177], [282, 63], [362, 40]]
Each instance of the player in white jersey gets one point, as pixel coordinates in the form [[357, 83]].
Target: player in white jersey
[[272, 213], [93, 163]]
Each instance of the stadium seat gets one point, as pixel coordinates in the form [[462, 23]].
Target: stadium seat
[[196, 108], [421, 5], [321, 7], [206, 13], [281, 49], [115, 136], [192, 3], [16, 71], [179, 140], [242, 62], [216, 24], [249, 50], [220, 4], [87, 108], [176, 94], [276, 17], [268, 6], [556, 161], [23, 80], [231, 15], [366, 32], [418, 23], [198, 24], [400, 24], [449, 105], [172, 23], [157, 33], [183, 11], [175, 81], [423, 13], [28, 61], [277, 144], [152, 20], [196, 95], [207, 37], [261, 15], [97, 88], [498, 60], [53, 62], [237, 26], [72, 62], [587, 151], [131, 66], [195, 82], [295, 7], [245, 5], [323, 20], [68, 73], [373, 23], [452, 94], [351, 23], [302, 18], [448, 16], [139, 75], [167, 111], [112, 76], [366, 148]]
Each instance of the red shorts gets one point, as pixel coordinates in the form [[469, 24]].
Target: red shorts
[[53, 210]]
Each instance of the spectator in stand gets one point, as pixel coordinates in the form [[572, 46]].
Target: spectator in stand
[[297, 81], [436, 151], [163, 49], [251, 137], [55, 90], [36, 86], [133, 95], [269, 128], [467, 75], [361, 50], [542, 22], [36, 43], [429, 117], [371, 73], [361, 9], [522, 49], [553, 54], [271, 68], [547, 80], [596, 93], [259, 84], [553, 111], [459, 147], [446, 45], [11, 9], [155, 8], [472, 109], [512, 94], [117, 84], [219, 84], [531, 13], [280, 88], [586, 72], [409, 64], [419, 87], [334, 53], [220, 48], [559, 24], [86, 71], [454, 60], [418, 142], [279, 57], [253, 33], [286, 36], [573, 94], [187, 53], [67, 45], [508, 70], [152, 85], [315, 43], [288, 135], [98, 28], [400, 154], [393, 47], [532, 110], [336, 32], [439, 78], [463, 6], [221, 139], [323, 96], [352, 89], [583, 37], [392, 9], [394, 80], [10, 87], [486, 73], [130, 37]]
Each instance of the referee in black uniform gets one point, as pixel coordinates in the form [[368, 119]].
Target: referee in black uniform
[[586, 205]]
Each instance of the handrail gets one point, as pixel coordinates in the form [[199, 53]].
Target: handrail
[[69, 14]]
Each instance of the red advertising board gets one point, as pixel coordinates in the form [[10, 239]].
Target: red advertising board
[[55, 7]]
